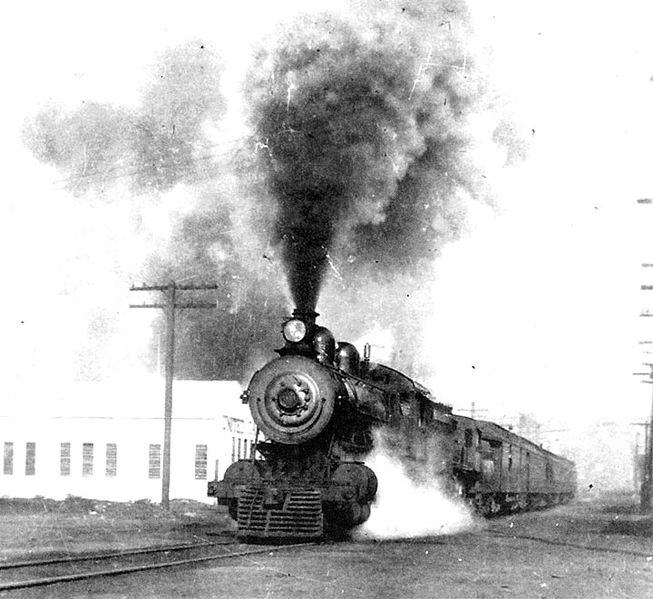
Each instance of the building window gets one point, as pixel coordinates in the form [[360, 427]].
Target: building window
[[9, 458], [155, 461], [30, 459], [64, 460], [200, 462], [239, 447], [87, 459], [233, 449], [111, 468], [251, 449]]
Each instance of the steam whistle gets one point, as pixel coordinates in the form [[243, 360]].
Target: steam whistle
[[367, 353]]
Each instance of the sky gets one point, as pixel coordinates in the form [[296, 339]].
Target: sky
[[534, 308], [551, 286]]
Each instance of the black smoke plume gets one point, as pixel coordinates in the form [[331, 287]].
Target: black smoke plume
[[359, 168], [363, 123]]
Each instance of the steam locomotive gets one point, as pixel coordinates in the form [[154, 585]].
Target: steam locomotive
[[322, 409]]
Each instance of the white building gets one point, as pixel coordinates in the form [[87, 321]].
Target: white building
[[105, 441]]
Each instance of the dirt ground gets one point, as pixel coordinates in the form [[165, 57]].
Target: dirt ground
[[45, 527], [590, 549]]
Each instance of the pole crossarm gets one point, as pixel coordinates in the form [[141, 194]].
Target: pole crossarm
[[147, 305], [180, 306], [170, 306], [197, 305], [180, 287]]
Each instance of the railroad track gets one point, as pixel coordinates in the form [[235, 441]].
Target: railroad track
[[48, 578], [598, 548]]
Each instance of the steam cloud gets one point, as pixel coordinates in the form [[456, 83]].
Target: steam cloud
[[430, 513]]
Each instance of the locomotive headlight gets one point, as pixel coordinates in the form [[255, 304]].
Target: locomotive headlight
[[294, 330]]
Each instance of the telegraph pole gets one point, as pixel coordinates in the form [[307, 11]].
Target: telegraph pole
[[647, 483], [646, 497], [169, 306], [647, 478]]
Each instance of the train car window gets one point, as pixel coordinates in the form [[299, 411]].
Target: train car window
[[468, 437], [64, 460], [8, 467], [30, 459], [509, 457], [487, 468], [111, 462], [404, 403], [154, 470]]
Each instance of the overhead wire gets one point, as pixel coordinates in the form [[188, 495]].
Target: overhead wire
[[113, 173]]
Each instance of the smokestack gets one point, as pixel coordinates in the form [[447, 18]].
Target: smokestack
[[307, 316]]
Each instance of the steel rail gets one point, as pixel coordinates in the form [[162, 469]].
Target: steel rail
[[103, 555], [573, 545], [47, 581]]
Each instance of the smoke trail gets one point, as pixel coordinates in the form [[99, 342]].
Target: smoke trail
[[409, 506], [359, 117], [153, 147], [179, 201]]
